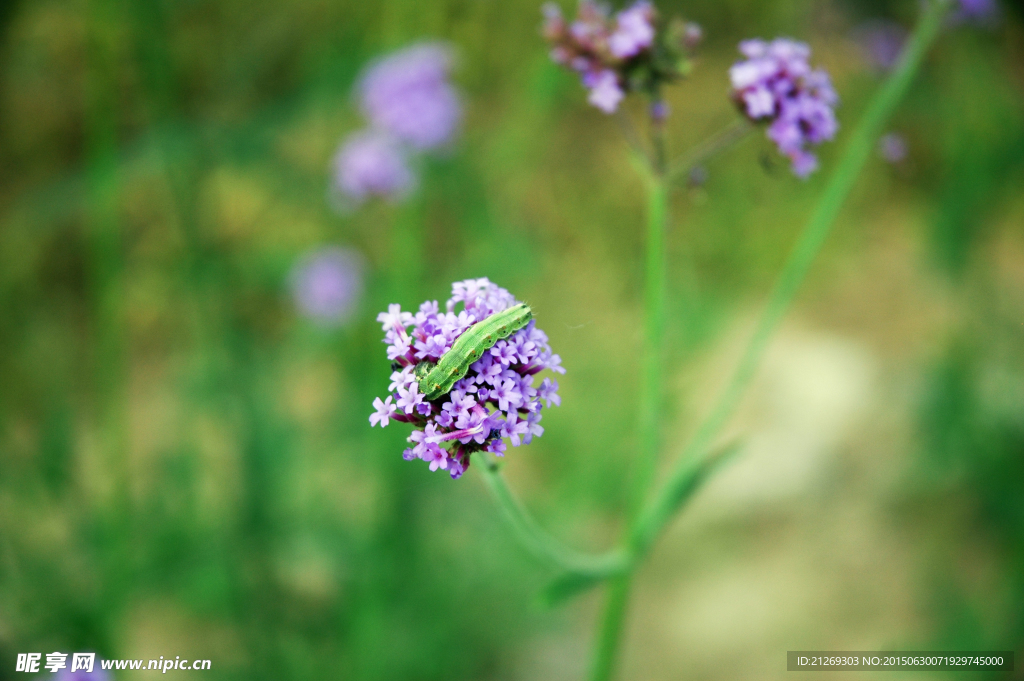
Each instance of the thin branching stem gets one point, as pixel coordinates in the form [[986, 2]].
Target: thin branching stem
[[543, 546], [687, 472], [726, 137], [857, 152]]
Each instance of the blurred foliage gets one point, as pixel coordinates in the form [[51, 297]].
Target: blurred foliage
[[187, 466]]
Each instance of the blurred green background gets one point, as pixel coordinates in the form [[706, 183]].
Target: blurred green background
[[187, 467]]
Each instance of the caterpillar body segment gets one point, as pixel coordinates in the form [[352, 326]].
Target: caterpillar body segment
[[437, 380]]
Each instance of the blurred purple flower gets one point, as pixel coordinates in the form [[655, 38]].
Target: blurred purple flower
[[327, 284], [659, 110], [496, 399], [372, 164], [407, 94], [776, 85], [634, 30], [614, 54], [881, 42], [605, 92], [892, 147], [976, 11]]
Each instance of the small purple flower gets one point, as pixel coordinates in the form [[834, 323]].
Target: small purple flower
[[474, 426], [409, 398], [659, 111], [372, 164], [487, 369], [634, 31], [553, 362], [549, 392], [399, 347], [515, 427], [775, 84], [401, 380], [457, 466], [507, 395], [526, 349], [459, 405], [385, 411], [503, 352], [465, 385], [605, 91], [892, 147], [394, 319], [431, 347], [326, 284], [533, 427], [407, 94], [527, 393], [436, 457], [495, 400]]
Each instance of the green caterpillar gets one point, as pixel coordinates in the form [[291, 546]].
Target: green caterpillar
[[437, 379]]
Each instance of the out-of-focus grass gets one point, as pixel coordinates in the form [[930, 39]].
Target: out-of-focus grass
[[264, 526]]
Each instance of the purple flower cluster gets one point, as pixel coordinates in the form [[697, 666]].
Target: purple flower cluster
[[614, 54], [776, 84], [371, 163], [411, 107], [495, 400], [327, 284], [407, 94]]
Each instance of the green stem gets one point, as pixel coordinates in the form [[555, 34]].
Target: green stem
[[688, 471], [539, 543], [526, 529], [654, 332], [606, 652], [613, 618], [857, 152]]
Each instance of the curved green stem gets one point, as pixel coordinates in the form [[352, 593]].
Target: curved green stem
[[542, 545]]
